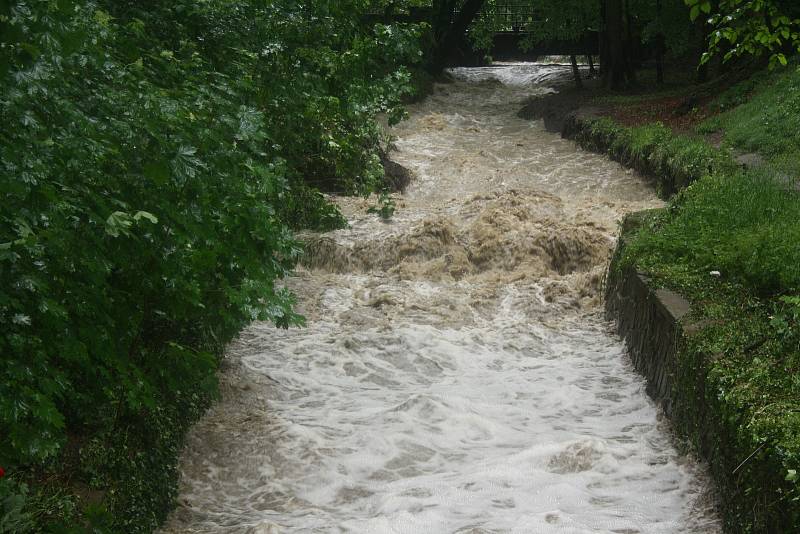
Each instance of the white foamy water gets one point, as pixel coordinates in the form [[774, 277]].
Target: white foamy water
[[456, 374]]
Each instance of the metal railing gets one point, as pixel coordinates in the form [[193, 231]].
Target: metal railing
[[513, 16]]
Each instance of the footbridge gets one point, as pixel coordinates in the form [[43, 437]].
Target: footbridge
[[514, 24]]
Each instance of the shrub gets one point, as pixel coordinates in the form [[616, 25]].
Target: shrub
[[13, 516], [154, 156]]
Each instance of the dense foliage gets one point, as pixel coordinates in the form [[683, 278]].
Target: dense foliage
[[665, 23], [750, 27], [154, 156]]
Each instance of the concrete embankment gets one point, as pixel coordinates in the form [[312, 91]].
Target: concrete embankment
[[667, 343], [649, 320], [662, 334]]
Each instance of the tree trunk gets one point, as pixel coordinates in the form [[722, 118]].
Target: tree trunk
[[576, 72], [630, 68], [441, 17], [659, 65], [702, 34], [592, 71], [659, 48], [603, 44], [615, 63], [448, 35]]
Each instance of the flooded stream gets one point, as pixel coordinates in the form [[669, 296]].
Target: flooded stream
[[456, 374]]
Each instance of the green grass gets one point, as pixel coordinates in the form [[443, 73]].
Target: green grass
[[673, 161], [737, 383], [736, 389], [762, 115], [746, 225]]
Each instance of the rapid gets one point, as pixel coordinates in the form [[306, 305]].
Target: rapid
[[457, 374]]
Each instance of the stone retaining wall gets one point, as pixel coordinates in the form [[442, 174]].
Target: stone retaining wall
[[664, 340], [658, 329], [649, 322]]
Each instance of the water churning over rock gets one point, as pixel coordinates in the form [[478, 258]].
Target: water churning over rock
[[456, 374]]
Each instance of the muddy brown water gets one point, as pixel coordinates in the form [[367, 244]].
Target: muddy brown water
[[456, 374]]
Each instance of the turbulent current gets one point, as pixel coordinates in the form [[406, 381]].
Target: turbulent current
[[456, 374]]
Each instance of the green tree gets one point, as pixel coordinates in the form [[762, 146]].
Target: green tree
[[564, 20], [541, 21], [154, 157], [750, 27]]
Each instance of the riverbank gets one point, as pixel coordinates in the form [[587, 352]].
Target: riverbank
[[727, 242], [679, 104], [157, 160], [456, 373]]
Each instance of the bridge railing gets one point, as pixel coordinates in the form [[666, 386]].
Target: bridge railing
[[512, 16]]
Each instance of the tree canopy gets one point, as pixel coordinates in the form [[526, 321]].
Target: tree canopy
[[155, 157], [750, 27]]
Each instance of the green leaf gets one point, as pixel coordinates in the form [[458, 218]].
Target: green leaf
[[145, 215], [118, 224], [158, 171]]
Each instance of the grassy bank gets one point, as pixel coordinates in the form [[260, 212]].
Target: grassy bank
[[737, 387], [761, 115], [671, 161], [728, 241]]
